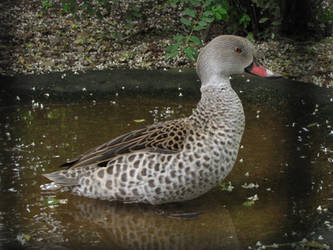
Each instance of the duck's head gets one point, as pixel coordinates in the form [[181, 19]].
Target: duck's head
[[226, 55]]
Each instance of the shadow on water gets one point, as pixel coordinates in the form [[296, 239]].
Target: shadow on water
[[280, 190]]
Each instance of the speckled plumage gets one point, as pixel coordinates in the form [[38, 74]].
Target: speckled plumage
[[176, 160]]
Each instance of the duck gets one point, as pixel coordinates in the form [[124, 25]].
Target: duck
[[176, 160]]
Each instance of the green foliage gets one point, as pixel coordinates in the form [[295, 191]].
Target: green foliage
[[248, 203], [199, 15], [323, 15], [47, 4], [69, 6], [245, 20], [252, 18]]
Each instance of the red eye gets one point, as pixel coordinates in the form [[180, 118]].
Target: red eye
[[238, 50]]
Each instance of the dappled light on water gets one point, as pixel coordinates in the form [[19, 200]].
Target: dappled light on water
[[279, 192]]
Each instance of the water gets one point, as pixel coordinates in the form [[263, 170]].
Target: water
[[279, 192]]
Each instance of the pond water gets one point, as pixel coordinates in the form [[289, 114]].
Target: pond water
[[279, 193]]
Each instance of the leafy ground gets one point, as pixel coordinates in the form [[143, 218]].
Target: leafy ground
[[35, 40]]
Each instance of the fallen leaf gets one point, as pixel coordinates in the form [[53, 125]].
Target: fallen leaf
[[79, 41], [139, 120], [248, 203]]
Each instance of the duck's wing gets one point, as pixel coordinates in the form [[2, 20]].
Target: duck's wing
[[167, 137]]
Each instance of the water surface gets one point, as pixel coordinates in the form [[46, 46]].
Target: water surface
[[280, 190]]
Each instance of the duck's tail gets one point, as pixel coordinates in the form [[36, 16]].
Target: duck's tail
[[63, 178]]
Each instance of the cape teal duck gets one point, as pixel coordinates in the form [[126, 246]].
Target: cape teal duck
[[176, 160]]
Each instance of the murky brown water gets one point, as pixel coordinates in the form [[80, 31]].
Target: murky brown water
[[285, 166]]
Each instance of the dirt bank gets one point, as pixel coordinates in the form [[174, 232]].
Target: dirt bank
[[34, 41]]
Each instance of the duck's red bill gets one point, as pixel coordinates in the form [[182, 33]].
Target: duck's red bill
[[256, 69]]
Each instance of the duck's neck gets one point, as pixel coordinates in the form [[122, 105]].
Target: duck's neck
[[219, 105], [216, 82]]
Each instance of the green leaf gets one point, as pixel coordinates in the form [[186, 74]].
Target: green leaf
[[178, 38], [208, 19], [173, 3], [174, 47], [191, 53], [245, 20], [185, 21], [51, 201], [202, 23], [195, 3], [248, 203], [263, 19], [79, 41], [172, 54], [196, 40], [190, 12], [207, 3], [250, 36], [226, 186], [139, 120], [27, 237], [223, 11], [218, 16], [208, 13], [200, 27]]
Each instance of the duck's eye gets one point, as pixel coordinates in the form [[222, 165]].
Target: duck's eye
[[238, 50]]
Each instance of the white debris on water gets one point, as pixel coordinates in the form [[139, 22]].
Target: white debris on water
[[50, 186]]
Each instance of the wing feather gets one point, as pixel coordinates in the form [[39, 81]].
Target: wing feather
[[167, 137]]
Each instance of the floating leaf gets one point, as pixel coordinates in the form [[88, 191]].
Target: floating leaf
[[314, 245], [248, 203], [227, 186], [139, 120], [27, 236], [23, 238], [51, 201], [312, 124]]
